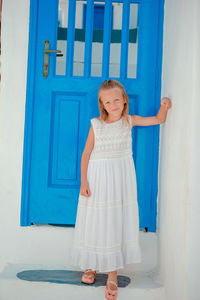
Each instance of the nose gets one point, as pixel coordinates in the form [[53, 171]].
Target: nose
[[114, 106]]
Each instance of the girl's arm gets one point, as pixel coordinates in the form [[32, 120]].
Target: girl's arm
[[84, 190], [158, 119]]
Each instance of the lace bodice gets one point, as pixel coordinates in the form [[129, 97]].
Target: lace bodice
[[112, 140]]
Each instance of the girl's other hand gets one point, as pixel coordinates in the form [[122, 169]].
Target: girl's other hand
[[166, 102], [85, 190]]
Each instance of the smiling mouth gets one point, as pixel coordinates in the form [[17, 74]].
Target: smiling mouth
[[115, 109]]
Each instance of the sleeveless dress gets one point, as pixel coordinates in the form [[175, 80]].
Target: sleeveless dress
[[106, 233]]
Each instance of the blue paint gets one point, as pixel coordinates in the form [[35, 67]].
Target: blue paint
[[58, 110], [70, 37], [98, 20], [28, 128], [155, 158], [68, 277], [88, 38], [125, 39], [98, 16], [106, 39]]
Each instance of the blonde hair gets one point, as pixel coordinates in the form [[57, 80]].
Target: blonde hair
[[110, 84]]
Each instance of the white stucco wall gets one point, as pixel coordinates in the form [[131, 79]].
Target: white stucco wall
[[179, 207]]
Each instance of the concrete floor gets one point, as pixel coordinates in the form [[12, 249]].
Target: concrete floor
[[144, 285]]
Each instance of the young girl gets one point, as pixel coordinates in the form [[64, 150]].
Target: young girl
[[106, 235]]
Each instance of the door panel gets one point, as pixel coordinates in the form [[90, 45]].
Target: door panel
[[64, 102]]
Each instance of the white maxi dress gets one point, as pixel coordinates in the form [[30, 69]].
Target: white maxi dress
[[106, 233]]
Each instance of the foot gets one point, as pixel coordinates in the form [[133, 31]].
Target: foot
[[88, 276], [111, 291]]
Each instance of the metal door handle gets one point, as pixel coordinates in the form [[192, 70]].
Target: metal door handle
[[52, 51], [47, 51]]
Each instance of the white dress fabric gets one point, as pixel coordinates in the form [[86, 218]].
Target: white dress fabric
[[106, 233]]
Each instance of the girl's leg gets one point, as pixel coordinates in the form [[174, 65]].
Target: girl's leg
[[112, 276]]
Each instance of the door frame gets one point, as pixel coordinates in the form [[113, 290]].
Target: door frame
[[29, 107]]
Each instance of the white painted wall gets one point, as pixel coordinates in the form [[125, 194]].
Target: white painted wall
[[179, 205]]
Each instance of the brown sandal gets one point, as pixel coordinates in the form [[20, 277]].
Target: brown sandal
[[90, 277]]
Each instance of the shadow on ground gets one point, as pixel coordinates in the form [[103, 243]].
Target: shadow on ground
[[68, 277]]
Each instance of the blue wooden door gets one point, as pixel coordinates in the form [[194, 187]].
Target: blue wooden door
[[125, 44]]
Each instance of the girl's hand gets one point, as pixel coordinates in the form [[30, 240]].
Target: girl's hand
[[85, 190], [166, 102]]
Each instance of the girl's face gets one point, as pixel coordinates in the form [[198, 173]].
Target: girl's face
[[113, 101]]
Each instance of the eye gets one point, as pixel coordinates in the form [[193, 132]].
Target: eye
[[116, 99]]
